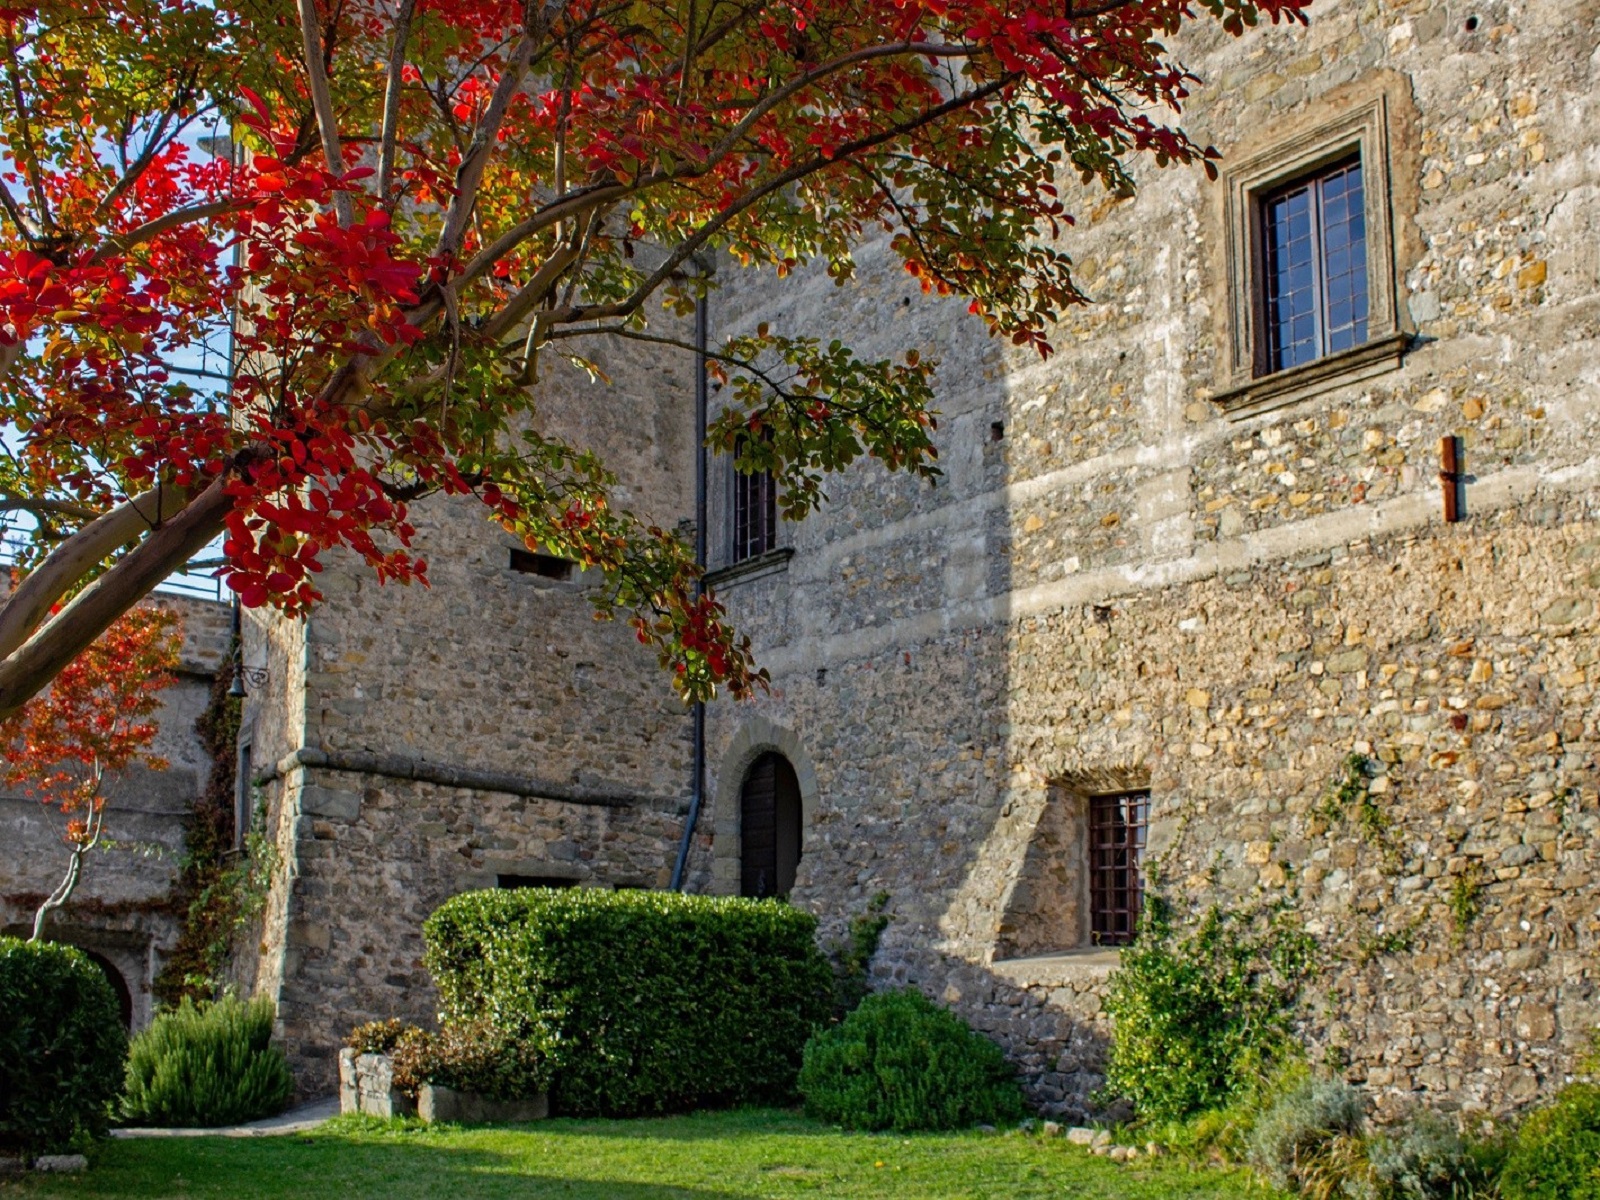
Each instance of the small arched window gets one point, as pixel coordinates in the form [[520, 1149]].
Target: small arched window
[[769, 828]]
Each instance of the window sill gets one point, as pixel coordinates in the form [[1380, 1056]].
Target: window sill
[[772, 562], [1336, 370], [1065, 967]]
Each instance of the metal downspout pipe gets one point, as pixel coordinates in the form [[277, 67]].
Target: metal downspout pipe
[[697, 780]]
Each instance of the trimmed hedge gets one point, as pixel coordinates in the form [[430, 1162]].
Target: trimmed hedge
[[901, 1062], [208, 1065], [62, 1047], [646, 1002]]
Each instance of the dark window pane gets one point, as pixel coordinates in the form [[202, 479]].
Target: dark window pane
[[1314, 271], [755, 515]]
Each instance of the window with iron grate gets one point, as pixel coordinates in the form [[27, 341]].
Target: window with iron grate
[[755, 515], [1117, 826]]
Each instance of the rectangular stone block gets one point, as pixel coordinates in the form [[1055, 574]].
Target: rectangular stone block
[[326, 802], [465, 1108]]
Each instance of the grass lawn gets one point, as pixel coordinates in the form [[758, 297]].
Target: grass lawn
[[710, 1156]]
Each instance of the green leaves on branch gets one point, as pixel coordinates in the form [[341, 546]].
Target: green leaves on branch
[[801, 408], [1203, 1010]]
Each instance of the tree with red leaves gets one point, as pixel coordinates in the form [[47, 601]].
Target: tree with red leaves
[[416, 200], [92, 723]]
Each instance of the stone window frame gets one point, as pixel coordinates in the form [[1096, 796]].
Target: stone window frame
[[756, 736], [726, 570], [1374, 119], [1064, 823]]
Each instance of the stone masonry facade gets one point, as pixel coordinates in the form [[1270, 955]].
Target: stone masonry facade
[[1143, 568], [122, 911]]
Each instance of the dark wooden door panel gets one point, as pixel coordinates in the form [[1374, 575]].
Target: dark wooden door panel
[[769, 828]]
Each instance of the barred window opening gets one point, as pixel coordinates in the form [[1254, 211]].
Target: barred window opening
[[755, 515], [1117, 825]]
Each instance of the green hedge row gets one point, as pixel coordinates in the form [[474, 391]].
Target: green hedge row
[[646, 1002]]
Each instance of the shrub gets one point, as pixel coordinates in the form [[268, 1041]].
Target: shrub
[[207, 1065], [473, 1056], [1425, 1158], [376, 1037], [1223, 1134], [1556, 1153], [1310, 1141], [901, 1062], [650, 1002], [1199, 1013], [62, 1047]]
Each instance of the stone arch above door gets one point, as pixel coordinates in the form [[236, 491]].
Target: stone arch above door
[[756, 737]]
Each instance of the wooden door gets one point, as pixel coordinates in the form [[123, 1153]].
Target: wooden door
[[769, 828]]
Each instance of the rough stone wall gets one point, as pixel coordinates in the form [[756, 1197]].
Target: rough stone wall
[[373, 856], [120, 910], [500, 678], [1133, 587]]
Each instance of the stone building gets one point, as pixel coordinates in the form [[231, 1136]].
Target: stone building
[[1175, 580], [122, 911]]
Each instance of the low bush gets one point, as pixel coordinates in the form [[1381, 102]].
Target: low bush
[[473, 1056], [1199, 1012], [1555, 1154], [1222, 1135], [62, 1047], [901, 1062], [1310, 1141], [647, 1002], [207, 1065], [376, 1037], [1423, 1158]]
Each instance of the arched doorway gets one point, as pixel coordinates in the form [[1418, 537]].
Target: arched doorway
[[769, 827], [119, 985]]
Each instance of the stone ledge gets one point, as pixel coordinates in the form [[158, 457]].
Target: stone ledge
[[1089, 965], [399, 766], [772, 562], [1297, 383]]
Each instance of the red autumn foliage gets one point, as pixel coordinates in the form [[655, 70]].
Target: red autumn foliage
[[413, 200], [92, 724]]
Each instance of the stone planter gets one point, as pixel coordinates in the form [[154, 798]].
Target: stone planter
[[436, 1103], [366, 1085]]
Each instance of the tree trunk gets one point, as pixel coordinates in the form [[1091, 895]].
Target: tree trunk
[[31, 666], [63, 891]]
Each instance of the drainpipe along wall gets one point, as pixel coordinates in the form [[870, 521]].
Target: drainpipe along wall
[[698, 754]]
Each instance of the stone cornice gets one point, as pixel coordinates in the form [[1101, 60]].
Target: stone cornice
[[401, 766]]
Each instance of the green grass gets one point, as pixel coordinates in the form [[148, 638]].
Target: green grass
[[749, 1155]]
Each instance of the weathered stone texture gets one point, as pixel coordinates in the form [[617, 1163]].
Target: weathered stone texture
[[346, 937], [487, 670], [121, 910], [1131, 588], [1115, 584]]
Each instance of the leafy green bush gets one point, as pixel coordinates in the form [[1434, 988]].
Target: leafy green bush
[[474, 1056], [1223, 1134], [1424, 1158], [901, 1062], [1200, 1012], [62, 1047], [646, 1002], [1310, 1141], [376, 1037], [1556, 1153], [207, 1065]]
